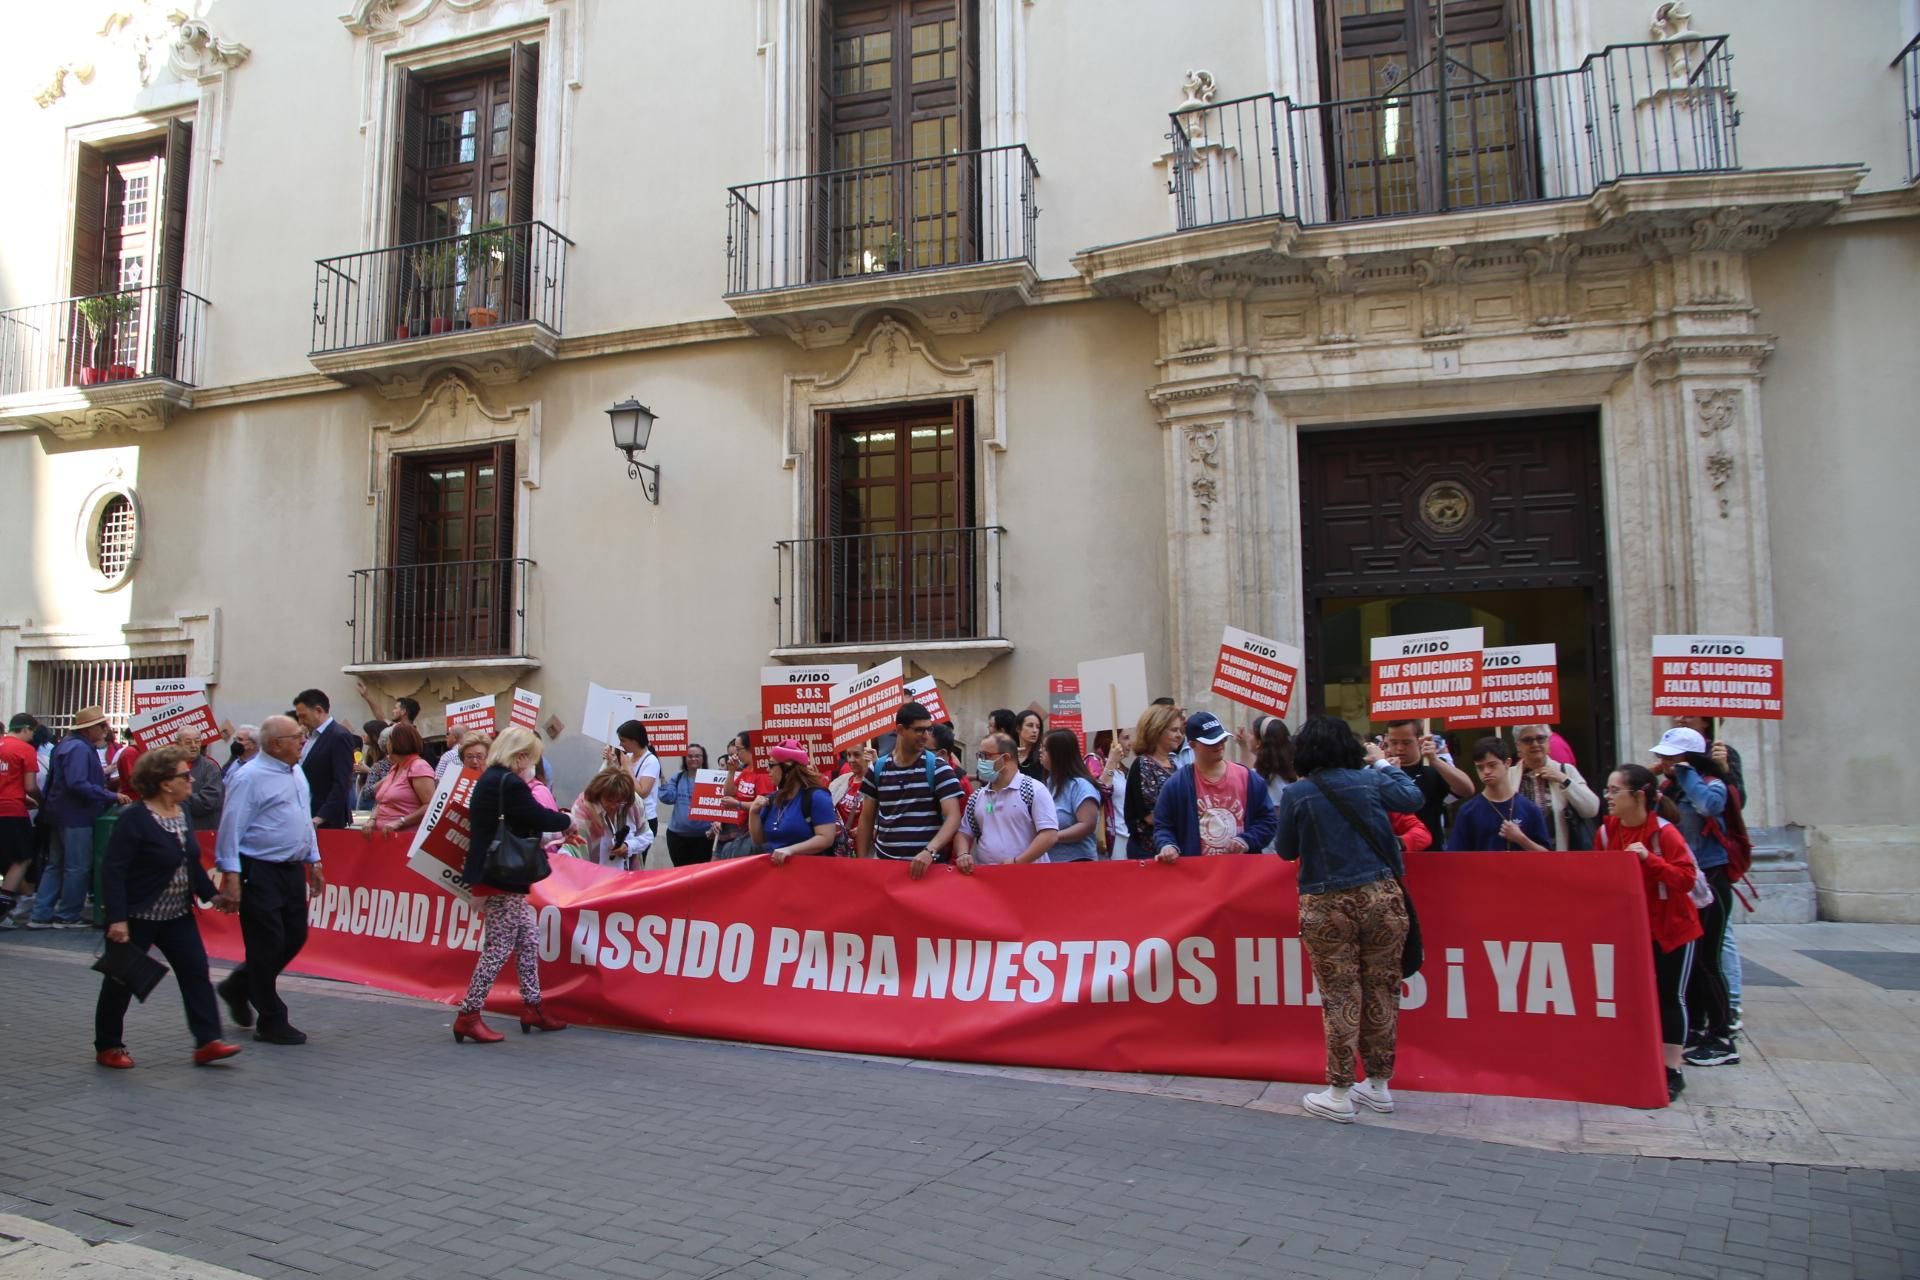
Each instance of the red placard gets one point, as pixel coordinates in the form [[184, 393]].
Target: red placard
[[927, 693], [162, 724], [708, 803], [149, 694], [1733, 677], [439, 844], [1256, 672], [1519, 684], [1063, 708], [795, 703], [475, 715], [1539, 978], [1435, 673], [667, 729], [524, 710], [867, 706]]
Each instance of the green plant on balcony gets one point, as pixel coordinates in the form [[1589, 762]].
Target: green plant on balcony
[[102, 314], [432, 270], [483, 255]]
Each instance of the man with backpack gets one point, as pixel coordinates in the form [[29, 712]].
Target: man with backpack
[[910, 800], [1011, 818]]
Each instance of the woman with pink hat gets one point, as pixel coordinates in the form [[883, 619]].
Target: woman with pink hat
[[798, 817]]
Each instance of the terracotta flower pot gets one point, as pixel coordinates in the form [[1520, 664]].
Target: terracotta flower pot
[[121, 372], [90, 376], [439, 324], [402, 331], [481, 317]]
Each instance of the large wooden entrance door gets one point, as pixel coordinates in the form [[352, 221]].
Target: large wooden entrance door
[[1492, 524], [452, 592]]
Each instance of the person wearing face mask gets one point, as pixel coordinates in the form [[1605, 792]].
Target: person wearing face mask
[[1010, 817]]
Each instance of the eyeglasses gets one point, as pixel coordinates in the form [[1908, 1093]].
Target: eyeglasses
[[1533, 738], [183, 777]]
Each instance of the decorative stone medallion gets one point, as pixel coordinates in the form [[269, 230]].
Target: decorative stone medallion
[[1445, 507]]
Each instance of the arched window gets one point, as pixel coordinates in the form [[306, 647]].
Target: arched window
[[116, 530]]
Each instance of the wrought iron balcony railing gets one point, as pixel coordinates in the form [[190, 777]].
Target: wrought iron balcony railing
[[156, 331], [499, 275], [1444, 137], [453, 611], [1908, 65], [925, 585], [955, 210]]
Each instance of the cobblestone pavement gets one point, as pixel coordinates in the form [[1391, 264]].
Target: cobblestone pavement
[[383, 1149]]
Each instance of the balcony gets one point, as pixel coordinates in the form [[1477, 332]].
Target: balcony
[[1908, 65], [1443, 142], [125, 360], [467, 616], [949, 238], [930, 593], [489, 302]]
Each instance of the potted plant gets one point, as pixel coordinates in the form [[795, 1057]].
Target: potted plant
[[482, 254], [100, 313], [434, 268]]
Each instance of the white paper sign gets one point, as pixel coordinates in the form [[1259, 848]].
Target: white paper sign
[[608, 709], [1113, 693]]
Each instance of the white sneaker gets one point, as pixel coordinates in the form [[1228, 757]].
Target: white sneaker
[[1328, 1107], [1375, 1096]]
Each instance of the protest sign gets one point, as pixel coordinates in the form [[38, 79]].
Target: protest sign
[[1543, 988], [667, 729], [475, 715], [608, 709], [1736, 677], [148, 694], [1256, 672], [796, 702], [927, 693], [524, 710], [439, 844], [162, 724], [865, 706], [1113, 693], [707, 804], [1519, 684], [1063, 709], [1434, 673]]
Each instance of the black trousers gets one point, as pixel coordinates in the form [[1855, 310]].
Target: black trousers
[[686, 850], [1708, 1009], [1672, 970], [273, 924], [179, 941]]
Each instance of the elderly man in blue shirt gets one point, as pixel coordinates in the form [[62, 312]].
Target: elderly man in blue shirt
[[268, 857]]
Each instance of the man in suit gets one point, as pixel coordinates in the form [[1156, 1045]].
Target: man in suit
[[326, 759]]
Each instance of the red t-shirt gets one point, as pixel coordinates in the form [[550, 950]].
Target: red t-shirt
[[1223, 808], [749, 784], [18, 762]]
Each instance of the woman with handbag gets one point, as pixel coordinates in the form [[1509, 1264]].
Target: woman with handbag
[[1355, 917], [149, 878], [1557, 790], [505, 860]]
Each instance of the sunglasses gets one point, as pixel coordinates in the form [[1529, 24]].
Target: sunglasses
[[183, 777]]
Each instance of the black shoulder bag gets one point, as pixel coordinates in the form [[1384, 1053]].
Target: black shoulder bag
[[1414, 953], [515, 862]]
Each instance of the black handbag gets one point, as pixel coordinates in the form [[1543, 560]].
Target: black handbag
[[132, 968], [1413, 953], [515, 863]]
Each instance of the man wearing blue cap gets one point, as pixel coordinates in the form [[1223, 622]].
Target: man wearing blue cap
[[1211, 806]]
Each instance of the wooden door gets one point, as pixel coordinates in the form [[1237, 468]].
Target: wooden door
[[452, 570], [1427, 112]]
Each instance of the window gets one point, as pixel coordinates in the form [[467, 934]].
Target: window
[[451, 571], [56, 688], [129, 241], [115, 535], [1426, 105]]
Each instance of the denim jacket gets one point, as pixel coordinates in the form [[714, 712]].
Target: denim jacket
[[1331, 854]]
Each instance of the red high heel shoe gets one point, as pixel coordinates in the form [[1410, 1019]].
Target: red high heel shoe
[[537, 1018], [469, 1027], [213, 1051]]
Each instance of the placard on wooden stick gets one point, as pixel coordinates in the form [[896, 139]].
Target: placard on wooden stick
[[1113, 693]]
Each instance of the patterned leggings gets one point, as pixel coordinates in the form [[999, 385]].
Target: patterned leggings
[[1354, 938], [510, 931]]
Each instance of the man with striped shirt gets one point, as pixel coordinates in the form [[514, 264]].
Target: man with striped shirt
[[912, 798]]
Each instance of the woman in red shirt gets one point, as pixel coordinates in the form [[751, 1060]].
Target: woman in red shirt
[[1668, 871]]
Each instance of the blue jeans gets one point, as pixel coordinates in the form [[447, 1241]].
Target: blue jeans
[[1730, 967], [72, 849]]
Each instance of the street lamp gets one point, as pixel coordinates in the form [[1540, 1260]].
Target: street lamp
[[632, 428]]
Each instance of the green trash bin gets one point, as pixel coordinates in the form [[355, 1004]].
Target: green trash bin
[[102, 832]]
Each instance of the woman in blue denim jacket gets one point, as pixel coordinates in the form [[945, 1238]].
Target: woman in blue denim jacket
[[1353, 917]]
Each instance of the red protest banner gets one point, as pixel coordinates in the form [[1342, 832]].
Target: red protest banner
[[667, 729], [475, 715], [1063, 708], [1519, 684], [927, 693], [708, 803], [524, 710], [161, 725], [438, 848], [1738, 677], [1539, 979], [149, 694], [794, 703], [865, 706], [1256, 672], [1435, 673]]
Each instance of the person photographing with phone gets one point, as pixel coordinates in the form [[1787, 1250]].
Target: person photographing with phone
[[1424, 759]]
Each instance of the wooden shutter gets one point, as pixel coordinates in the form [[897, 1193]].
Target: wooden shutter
[[523, 104], [820, 566], [818, 209], [89, 221], [969, 86], [168, 306], [501, 600], [403, 506], [503, 495], [410, 156]]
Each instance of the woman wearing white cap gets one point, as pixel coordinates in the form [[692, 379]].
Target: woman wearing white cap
[[1696, 783]]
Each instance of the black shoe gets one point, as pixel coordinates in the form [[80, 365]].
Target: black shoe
[[1714, 1051], [236, 1000], [1676, 1085], [281, 1035]]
